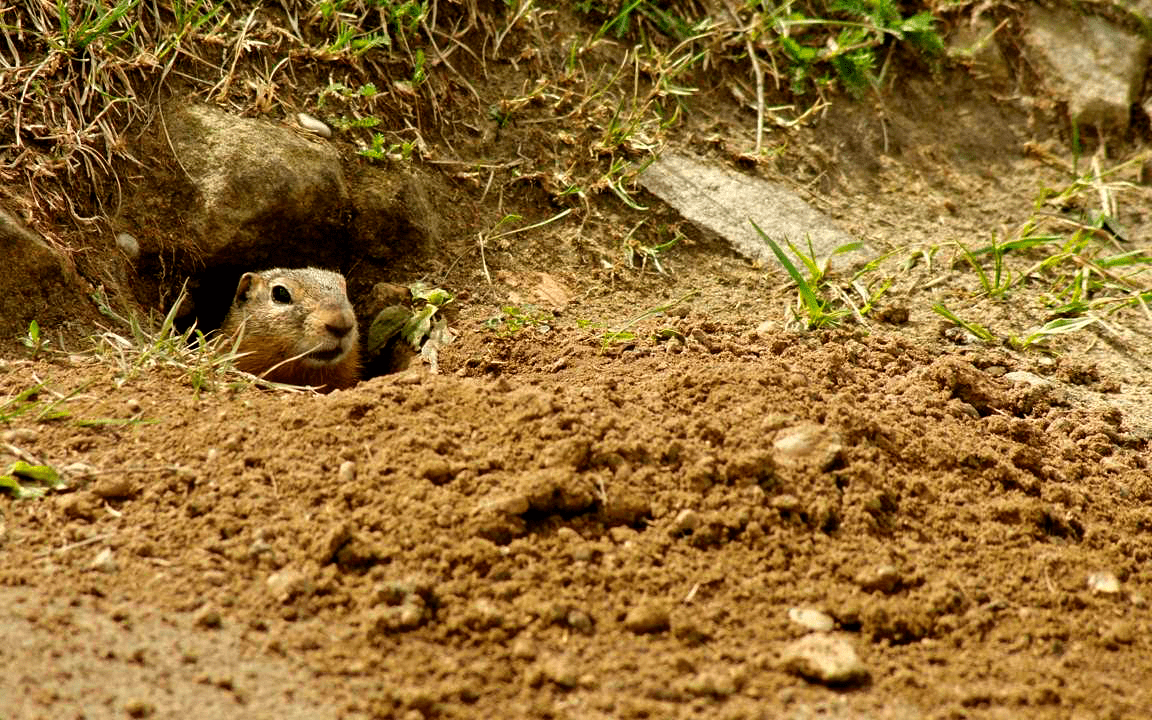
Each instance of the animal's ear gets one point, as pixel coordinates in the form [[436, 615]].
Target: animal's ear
[[247, 281]]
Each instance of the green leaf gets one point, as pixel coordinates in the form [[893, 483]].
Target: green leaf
[[13, 486], [21, 472], [800, 53], [921, 23], [976, 329], [435, 296], [36, 473], [1059, 326], [810, 300], [416, 329]]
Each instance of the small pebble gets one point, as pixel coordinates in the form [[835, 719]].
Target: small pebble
[[1022, 377], [347, 472], [104, 562], [824, 658], [215, 577], [80, 506], [128, 245], [807, 444], [523, 648], [686, 522], [208, 618], [1104, 583], [313, 125], [813, 619], [1119, 633], [133, 405], [139, 709], [561, 671], [19, 435], [437, 472], [288, 584], [581, 622], [648, 617], [785, 503], [885, 579], [113, 488], [622, 534], [78, 471]]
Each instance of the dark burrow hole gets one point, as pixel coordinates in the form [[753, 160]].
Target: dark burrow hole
[[211, 291]]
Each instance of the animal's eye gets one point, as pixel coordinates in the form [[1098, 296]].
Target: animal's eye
[[281, 295]]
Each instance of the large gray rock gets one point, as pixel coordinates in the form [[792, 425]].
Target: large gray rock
[[1093, 64], [723, 201], [259, 183], [37, 284]]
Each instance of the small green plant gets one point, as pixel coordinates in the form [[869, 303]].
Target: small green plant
[[996, 283], [32, 340], [363, 26], [976, 329], [620, 172], [512, 319], [142, 344], [845, 36], [94, 22], [30, 404], [419, 326], [818, 309], [1052, 328], [24, 481], [645, 254], [394, 151], [624, 332], [427, 330], [626, 15]]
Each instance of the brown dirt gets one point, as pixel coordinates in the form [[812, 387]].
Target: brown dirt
[[557, 526], [501, 521]]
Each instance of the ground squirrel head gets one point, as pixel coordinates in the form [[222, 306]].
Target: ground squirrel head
[[295, 326]]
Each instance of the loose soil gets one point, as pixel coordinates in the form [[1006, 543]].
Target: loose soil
[[565, 525]]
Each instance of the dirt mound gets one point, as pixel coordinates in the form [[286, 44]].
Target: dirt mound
[[617, 534]]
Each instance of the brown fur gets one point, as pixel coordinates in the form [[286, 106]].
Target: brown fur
[[268, 332]]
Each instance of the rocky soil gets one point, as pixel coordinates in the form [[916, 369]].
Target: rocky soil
[[715, 514]]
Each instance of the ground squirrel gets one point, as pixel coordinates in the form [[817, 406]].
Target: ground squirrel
[[295, 326]]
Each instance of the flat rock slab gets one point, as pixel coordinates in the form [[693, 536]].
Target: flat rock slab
[[723, 201], [1096, 66]]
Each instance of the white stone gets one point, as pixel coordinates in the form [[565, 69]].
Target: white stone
[[824, 658], [812, 619], [1104, 583]]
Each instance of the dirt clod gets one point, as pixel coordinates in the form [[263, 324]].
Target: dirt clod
[[647, 618], [823, 658]]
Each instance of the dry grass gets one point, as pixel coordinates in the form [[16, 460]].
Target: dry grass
[[607, 83]]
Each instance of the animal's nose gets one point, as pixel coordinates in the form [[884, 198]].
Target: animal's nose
[[338, 321], [338, 328]]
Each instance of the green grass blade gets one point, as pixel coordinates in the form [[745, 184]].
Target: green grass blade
[[810, 300]]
